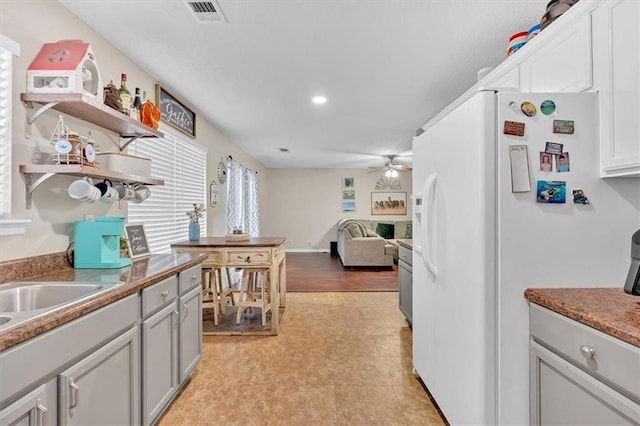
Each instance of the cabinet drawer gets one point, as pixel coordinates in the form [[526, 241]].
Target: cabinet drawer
[[614, 361], [248, 257], [405, 255], [189, 279], [159, 295], [213, 260]]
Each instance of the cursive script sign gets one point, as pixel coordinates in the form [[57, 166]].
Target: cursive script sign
[[175, 113], [136, 240]]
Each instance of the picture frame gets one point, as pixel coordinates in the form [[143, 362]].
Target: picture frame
[[175, 113], [136, 240], [348, 182], [388, 203]]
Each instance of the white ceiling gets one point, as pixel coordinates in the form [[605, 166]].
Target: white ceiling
[[386, 67]]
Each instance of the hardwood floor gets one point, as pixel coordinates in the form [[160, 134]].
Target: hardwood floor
[[323, 272]]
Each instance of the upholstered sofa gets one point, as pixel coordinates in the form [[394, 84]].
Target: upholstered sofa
[[360, 245]]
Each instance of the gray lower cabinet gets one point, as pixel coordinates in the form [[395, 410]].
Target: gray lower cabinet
[[103, 385], [579, 375], [405, 283], [190, 309], [37, 408], [160, 361]]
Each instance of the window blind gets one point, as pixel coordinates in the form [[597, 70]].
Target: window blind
[[182, 166], [5, 132]]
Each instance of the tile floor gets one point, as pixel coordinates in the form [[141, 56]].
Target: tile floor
[[340, 359]]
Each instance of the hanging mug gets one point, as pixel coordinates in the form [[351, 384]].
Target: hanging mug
[[84, 190], [142, 192], [103, 186]]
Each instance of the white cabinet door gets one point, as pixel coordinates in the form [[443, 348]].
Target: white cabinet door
[[617, 61], [564, 64], [561, 393], [104, 386], [190, 308], [37, 408], [160, 361]]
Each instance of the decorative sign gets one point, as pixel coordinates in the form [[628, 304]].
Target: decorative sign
[[514, 128], [136, 240], [175, 113], [553, 148]]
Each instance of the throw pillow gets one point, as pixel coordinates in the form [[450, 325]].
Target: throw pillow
[[385, 230], [355, 230]]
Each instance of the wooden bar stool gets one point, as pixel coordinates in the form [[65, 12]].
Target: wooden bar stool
[[254, 292], [209, 291], [223, 291]]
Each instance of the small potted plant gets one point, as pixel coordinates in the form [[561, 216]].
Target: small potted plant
[[194, 221]]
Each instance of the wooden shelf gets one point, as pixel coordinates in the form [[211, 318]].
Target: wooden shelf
[[45, 171], [93, 172], [92, 111]]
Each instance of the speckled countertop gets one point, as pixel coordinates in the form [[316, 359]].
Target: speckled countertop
[[408, 244], [609, 310], [142, 273]]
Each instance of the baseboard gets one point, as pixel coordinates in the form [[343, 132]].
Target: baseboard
[[307, 250]]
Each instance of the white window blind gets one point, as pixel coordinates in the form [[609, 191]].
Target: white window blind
[[182, 166], [5, 129]]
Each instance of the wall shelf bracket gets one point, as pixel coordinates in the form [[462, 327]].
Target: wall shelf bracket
[[31, 185]]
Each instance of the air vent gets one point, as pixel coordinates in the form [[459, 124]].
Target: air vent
[[284, 149], [206, 12]]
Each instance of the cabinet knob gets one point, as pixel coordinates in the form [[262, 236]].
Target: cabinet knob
[[164, 294], [587, 352]]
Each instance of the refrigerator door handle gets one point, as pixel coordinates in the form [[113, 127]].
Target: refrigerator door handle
[[428, 226]]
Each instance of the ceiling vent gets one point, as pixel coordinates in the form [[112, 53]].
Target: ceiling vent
[[206, 12]]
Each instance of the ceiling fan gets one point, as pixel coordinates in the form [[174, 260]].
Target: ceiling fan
[[392, 167]]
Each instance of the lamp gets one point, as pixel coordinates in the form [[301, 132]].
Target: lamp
[[391, 173]]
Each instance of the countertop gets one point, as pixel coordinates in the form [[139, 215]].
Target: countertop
[[408, 244], [222, 242], [609, 310], [142, 273]]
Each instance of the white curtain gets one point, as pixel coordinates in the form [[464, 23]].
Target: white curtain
[[242, 199]]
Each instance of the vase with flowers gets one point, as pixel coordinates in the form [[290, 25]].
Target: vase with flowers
[[194, 221]]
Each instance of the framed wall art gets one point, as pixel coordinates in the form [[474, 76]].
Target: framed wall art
[[175, 113], [388, 203]]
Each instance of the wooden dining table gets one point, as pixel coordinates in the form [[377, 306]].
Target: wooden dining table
[[266, 252]]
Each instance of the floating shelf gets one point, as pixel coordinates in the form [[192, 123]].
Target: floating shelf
[[92, 111], [48, 170]]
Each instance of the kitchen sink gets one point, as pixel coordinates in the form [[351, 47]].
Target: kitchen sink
[[21, 300], [38, 296]]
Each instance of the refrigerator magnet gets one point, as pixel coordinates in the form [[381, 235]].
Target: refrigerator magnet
[[514, 128], [553, 192], [528, 109], [546, 162], [565, 127], [553, 148], [519, 159], [548, 107], [579, 197], [562, 162]]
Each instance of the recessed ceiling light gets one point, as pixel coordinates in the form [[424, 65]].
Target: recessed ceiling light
[[319, 99]]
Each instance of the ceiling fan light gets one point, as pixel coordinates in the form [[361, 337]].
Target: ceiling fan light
[[391, 173]]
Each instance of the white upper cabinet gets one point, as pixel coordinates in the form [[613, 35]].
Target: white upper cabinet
[[617, 70], [563, 64]]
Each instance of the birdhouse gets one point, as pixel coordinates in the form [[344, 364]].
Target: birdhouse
[[67, 66]]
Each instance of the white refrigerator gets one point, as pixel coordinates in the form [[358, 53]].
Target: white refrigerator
[[478, 245]]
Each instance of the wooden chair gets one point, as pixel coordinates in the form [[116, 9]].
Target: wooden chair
[[209, 291], [254, 292]]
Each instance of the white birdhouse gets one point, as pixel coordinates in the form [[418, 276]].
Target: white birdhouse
[[67, 66]]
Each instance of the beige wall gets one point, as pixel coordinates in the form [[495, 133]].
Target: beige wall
[[31, 24], [305, 204]]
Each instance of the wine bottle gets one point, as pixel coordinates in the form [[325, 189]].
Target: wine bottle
[[125, 95], [137, 104]]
